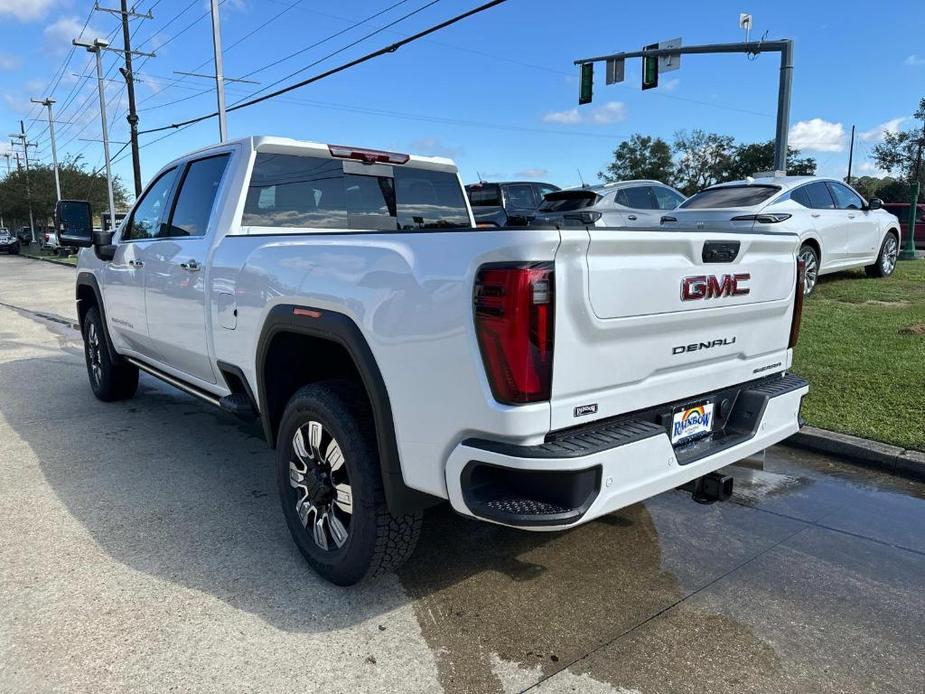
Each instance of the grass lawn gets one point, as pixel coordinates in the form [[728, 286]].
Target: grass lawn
[[862, 348], [35, 252]]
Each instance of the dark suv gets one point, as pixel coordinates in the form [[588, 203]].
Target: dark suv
[[508, 204], [901, 210]]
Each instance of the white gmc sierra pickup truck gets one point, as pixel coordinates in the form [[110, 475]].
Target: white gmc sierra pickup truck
[[397, 356]]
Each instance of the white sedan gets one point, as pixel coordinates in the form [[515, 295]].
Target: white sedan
[[838, 229]]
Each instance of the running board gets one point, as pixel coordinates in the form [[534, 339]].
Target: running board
[[176, 382]]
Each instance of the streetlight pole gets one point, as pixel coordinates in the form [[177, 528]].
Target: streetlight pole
[[97, 48], [54, 150], [219, 77]]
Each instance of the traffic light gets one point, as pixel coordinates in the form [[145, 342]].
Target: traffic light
[[650, 68], [587, 83]]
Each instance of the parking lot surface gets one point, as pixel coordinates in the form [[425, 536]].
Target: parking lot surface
[[142, 548]]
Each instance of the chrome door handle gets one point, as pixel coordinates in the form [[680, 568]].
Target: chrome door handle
[[631, 217], [850, 216], [191, 266], [814, 214]]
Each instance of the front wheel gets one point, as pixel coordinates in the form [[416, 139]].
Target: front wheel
[[330, 487], [811, 262], [886, 260], [110, 380]]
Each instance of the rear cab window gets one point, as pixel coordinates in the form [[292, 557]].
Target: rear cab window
[[484, 195], [730, 196], [293, 190]]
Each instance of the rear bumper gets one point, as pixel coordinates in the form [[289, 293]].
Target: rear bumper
[[581, 474]]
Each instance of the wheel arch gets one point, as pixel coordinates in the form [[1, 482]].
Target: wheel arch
[[814, 243], [88, 294], [340, 343]]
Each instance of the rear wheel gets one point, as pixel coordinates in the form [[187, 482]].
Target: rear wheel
[[886, 260], [811, 261], [14, 249], [109, 380], [330, 487]]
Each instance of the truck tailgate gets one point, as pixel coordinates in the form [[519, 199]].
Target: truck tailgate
[[648, 317]]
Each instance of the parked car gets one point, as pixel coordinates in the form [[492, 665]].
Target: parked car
[[8, 242], [24, 235], [838, 229], [49, 240], [396, 358], [512, 203], [637, 203], [901, 210]]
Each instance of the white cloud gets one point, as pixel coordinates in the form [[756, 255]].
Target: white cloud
[[58, 35], [532, 173], [611, 112], [914, 60], [35, 86], [433, 147], [670, 85], [870, 169], [17, 103], [9, 62], [26, 10], [569, 117], [818, 135], [876, 134]]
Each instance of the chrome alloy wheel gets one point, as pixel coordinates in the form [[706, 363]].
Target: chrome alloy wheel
[[93, 353], [812, 269], [324, 498], [890, 253]]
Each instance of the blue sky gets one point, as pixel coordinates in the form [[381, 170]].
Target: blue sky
[[497, 92]]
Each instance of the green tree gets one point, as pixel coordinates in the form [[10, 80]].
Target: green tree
[[640, 156], [900, 150], [701, 159], [77, 182], [749, 159]]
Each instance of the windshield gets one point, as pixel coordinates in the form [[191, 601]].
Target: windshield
[[730, 196], [568, 200]]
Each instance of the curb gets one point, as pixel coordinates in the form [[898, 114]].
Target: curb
[[893, 459], [54, 261]]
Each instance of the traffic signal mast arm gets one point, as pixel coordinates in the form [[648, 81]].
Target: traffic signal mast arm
[[782, 46]]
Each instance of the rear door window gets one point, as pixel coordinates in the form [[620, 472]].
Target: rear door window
[[730, 196], [520, 196], [666, 198], [193, 205], [819, 196], [637, 197]]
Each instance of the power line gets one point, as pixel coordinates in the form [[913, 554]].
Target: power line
[[340, 68]]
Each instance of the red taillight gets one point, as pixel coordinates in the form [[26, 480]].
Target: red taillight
[[370, 156], [514, 312], [797, 304]]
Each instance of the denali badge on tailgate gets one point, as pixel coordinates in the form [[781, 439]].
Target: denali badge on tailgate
[[714, 286]]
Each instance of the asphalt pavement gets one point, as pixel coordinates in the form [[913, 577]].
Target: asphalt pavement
[[142, 548]]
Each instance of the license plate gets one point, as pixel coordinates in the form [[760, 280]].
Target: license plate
[[692, 422]]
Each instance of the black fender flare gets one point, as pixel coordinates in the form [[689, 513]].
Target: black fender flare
[[88, 279], [342, 330]]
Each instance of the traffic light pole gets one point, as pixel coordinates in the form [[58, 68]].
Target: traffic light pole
[[782, 46]]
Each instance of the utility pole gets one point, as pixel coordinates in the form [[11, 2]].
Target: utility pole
[[129, 76], [785, 82], [54, 151], [219, 78], [21, 136], [97, 48], [850, 156]]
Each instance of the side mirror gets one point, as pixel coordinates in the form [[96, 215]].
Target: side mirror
[[874, 204], [102, 243], [74, 223]]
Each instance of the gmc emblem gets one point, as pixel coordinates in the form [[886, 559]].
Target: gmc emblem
[[713, 286]]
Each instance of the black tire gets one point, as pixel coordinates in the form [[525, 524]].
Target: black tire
[[311, 487], [810, 257], [109, 380], [14, 250], [886, 259]]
